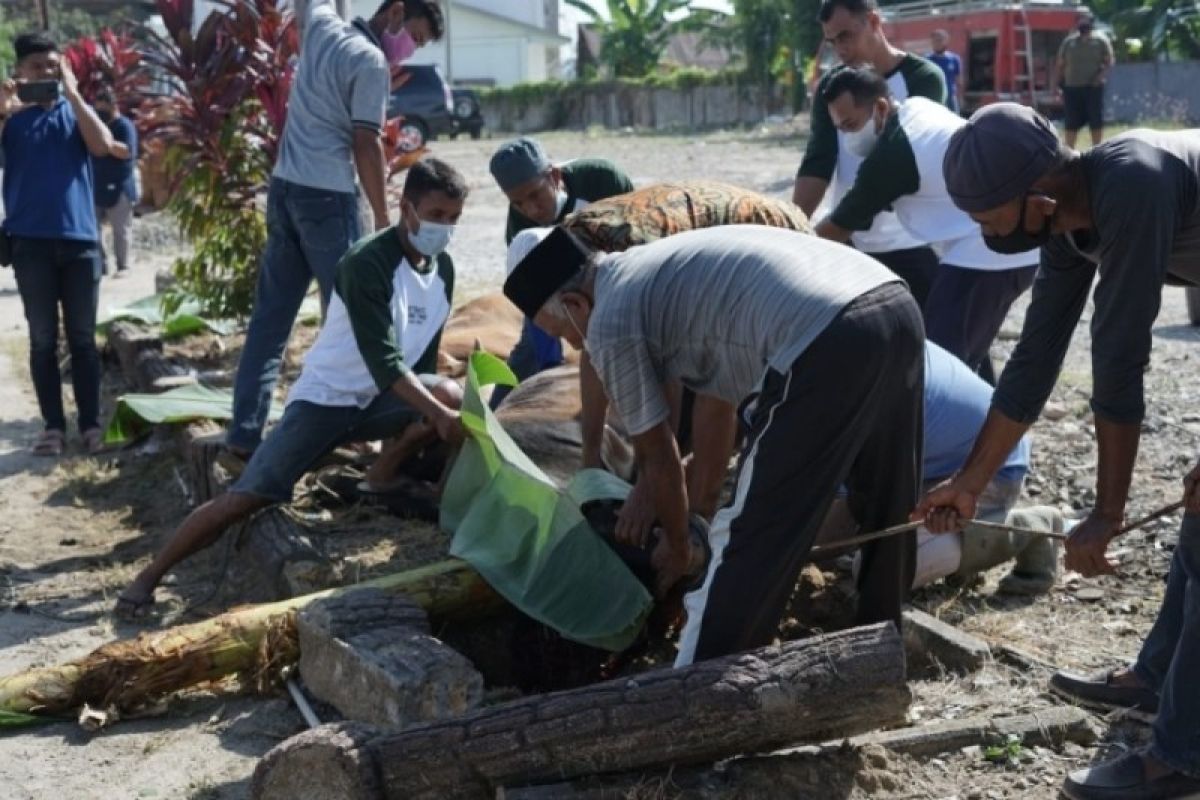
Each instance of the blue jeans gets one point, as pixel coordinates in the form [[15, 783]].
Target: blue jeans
[[308, 431], [536, 351], [1170, 657], [308, 232], [52, 273]]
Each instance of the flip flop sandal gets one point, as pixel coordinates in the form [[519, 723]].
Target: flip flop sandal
[[49, 444]]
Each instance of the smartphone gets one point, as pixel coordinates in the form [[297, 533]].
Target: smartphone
[[37, 91]]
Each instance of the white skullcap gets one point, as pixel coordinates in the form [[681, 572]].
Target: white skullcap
[[522, 244]]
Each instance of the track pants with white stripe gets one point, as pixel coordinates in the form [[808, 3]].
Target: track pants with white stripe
[[848, 412]]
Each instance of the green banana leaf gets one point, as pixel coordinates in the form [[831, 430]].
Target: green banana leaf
[[137, 412], [527, 537], [185, 321]]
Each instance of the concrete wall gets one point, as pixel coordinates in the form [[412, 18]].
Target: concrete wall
[[622, 107], [1158, 91]]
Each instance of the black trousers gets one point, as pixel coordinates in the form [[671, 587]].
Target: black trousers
[[848, 412], [966, 307], [918, 267]]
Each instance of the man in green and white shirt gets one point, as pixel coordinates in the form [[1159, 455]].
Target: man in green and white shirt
[[905, 144], [368, 376], [855, 30], [542, 193]]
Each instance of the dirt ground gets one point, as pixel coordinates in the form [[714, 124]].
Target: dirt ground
[[74, 531]]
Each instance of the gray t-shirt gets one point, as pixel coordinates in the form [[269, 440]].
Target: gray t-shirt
[[342, 83], [713, 308], [1144, 189]]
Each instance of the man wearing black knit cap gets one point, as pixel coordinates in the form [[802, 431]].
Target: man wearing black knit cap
[[1127, 210], [766, 319]]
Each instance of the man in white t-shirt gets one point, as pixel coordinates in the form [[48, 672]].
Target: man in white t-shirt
[[368, 376], [904, 145]]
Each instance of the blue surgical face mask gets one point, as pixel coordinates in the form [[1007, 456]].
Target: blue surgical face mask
[[431, 238]]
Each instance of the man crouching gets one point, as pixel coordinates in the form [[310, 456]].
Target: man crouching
[[368, 375], [823, 349]]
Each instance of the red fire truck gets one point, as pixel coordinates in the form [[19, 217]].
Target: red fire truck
[[1007, 49]]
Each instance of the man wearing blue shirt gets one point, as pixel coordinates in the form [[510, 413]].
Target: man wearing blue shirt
[[116, 181], [951, 66], [48, 186]]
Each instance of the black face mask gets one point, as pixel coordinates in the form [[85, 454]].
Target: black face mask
[[1019, 240]]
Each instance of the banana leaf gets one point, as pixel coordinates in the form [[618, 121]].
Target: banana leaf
[[187, 319], [136, 413], [528, 538], [184, 321]]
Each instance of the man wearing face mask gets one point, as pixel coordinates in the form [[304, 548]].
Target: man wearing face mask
[[854, 28], [1126, 211], [1082, 66], [369, 375], [541, 193], [116, 181], [765, 319], [333, 134], [903, 146]]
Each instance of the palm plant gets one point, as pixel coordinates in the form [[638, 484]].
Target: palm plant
[[636, 32]]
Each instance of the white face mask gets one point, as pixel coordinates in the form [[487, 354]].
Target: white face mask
[[431, 238], [862, 141], [560, 202]]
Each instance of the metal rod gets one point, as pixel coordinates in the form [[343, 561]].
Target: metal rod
[[906, 527], [301, 701]]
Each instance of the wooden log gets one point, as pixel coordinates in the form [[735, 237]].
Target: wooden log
[[154, 372], [201, 444], [284, 555], [1050, 727], [833, 685], [129, 340], [252, 639]]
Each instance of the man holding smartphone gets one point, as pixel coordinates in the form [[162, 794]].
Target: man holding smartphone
[[48, 136]]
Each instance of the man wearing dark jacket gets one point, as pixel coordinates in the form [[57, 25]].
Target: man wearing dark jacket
[[1126, 211]]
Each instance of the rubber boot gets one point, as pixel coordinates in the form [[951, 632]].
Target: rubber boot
[[1036, 569]]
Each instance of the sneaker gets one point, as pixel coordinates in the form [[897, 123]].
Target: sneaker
[[1099, 692], [1125, 778]]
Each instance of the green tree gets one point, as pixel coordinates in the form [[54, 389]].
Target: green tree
[[66, 25], [1153, 29], [775, 39], [636, 32]]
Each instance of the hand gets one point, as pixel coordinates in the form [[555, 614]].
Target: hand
[[637, 516], [1191, 491], [381, 222], [8, 97], [69, 82], [449, 427], [946, 508], [1087, 544], [670, 564]]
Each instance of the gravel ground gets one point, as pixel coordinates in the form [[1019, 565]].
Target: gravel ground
[[74, 532]]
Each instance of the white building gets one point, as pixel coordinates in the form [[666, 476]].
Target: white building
[[492, 42]]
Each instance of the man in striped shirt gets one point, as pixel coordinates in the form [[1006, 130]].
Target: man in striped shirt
[[769, 319]]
